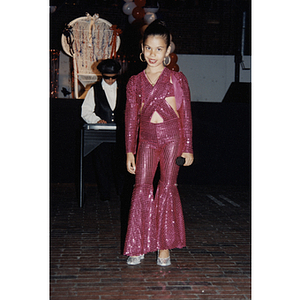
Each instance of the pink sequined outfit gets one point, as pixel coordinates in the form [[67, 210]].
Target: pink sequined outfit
[[156, 223]]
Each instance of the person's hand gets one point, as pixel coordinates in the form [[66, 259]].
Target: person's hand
[[189, 158], [130, 163], [101, 122]]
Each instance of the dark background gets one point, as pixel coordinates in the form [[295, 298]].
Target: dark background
[[197, 26], [221, 130]]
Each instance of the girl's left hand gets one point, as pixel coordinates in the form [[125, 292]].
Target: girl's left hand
[[189, 158]]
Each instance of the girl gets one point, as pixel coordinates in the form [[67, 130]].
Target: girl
[[158, 110]]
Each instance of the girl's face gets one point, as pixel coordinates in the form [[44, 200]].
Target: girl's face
[[155, 50]]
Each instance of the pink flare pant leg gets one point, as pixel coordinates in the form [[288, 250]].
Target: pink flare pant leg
[[156, 223]]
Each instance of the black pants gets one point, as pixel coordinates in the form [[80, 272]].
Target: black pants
[[109, 162]]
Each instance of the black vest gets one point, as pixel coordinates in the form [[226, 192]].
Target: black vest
[[102, 107]]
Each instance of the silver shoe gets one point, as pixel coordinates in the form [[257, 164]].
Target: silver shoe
[[163, 262], [134, 260]]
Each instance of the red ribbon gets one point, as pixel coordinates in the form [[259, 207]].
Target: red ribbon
[[113, 43]]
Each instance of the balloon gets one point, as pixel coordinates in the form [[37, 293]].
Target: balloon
[[149, 17], [131, 19], [174, 58], [175, 68], [172, 47], [140, 3], [151, 9], [143, 28], [171, 64], [128, 0], [128, 8], [138, 13]]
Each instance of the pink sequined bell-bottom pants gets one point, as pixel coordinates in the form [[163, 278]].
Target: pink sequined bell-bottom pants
[[156, 223]]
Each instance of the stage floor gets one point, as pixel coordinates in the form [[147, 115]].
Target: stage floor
[[86, 260]]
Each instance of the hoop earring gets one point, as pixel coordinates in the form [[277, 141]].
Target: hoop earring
[[141, 57], [169, 60]]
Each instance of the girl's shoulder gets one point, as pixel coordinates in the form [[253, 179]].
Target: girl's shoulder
[[135, 79], [134, 82], [137, 76], [177, 75]]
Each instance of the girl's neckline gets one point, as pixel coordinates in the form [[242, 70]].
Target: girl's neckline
[[150, 81]]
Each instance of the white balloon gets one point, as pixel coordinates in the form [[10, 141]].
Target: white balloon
[[128, 8], [172, 47], [131, 19], [151, 9], [149, 17]]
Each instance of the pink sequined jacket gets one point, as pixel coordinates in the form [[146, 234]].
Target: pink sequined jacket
[[140, 91]]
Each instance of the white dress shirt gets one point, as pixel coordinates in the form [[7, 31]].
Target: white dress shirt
[[88, 105]]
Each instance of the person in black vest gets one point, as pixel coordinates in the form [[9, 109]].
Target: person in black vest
[[105, 103]]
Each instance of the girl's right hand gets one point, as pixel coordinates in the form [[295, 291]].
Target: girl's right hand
[[130, 163]]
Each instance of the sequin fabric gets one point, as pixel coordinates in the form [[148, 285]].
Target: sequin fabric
[[139, 91], [156, 222]]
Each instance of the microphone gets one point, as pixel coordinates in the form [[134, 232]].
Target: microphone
[[180, 161]]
